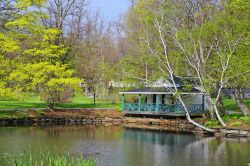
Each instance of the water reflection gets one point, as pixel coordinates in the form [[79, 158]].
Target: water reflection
[[117, 146]]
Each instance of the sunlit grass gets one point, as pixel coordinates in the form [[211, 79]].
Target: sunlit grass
[[19, 109], [78, 101], [230, 104]]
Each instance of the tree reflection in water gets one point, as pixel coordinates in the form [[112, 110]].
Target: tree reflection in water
[[118, 146]]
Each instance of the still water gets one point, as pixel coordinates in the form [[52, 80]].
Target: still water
[[118, 146]]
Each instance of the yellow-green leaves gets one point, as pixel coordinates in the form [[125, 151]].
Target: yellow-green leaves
[[7, 44], [7, 93], [42, 75], [30, 59], [25, 4]]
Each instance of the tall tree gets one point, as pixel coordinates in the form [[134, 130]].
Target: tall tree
[[28, 57], [67, 16], [202, 36], [239, 68]]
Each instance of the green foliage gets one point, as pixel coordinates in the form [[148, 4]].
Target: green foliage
[[46, 158], [212, 123], [30, 61], [235, 124], [245, 119], [227, 118], [206, 40], [6, 93]]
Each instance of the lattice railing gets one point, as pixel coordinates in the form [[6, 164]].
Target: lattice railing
[[131, 107], [163, 108], [148, 107]]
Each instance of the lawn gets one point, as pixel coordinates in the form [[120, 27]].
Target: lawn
[[81, 101], [230, 104], [19, 109], [78, 101]]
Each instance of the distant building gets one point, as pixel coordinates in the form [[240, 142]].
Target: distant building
[[229, 92]]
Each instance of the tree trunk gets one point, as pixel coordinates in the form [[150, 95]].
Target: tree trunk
[[216, 111], [86, 89], [221, 105], [51, 106], [210, 109], [188, 117], [238, 95]]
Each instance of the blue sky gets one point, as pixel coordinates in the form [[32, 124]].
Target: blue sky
[[110, 9]]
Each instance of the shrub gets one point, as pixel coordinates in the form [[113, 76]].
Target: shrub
[[245, 119], [235, 124], [227, 118], [212, 123]]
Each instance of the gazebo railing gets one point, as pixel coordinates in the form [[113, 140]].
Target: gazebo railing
[[163, 108]]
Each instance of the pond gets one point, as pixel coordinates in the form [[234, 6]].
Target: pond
[[118, 146]]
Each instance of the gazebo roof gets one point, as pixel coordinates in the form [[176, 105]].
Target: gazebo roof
[[161, 90]]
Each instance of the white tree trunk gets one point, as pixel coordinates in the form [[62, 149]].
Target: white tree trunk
[[210, 108], [191, 120], [216, 111], [170, 72]]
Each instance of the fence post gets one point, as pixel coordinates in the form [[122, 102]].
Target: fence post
[[203, 103], [157, 103], [123, 102], [139, 102]]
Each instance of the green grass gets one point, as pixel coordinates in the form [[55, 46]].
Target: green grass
[[230, 104], [212, 123], [245, 119], [43, 158], [21, 104], [79, 101], [16, 109], [19, 109]]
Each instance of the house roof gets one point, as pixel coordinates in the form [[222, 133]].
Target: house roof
[[161, 90], [165, 82]]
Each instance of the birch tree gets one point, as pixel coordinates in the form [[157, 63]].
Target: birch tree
[[157, 41], [201, 34], [239, 68]]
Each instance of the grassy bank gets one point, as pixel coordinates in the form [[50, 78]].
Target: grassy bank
[[232, 121]]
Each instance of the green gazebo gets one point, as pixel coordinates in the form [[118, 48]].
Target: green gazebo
[[161, 101]]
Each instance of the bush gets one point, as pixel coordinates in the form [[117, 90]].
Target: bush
[[227, 118], [212, 123], [235, 124], [245, 119]]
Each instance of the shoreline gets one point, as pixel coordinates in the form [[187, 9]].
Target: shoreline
[[113, 117]]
